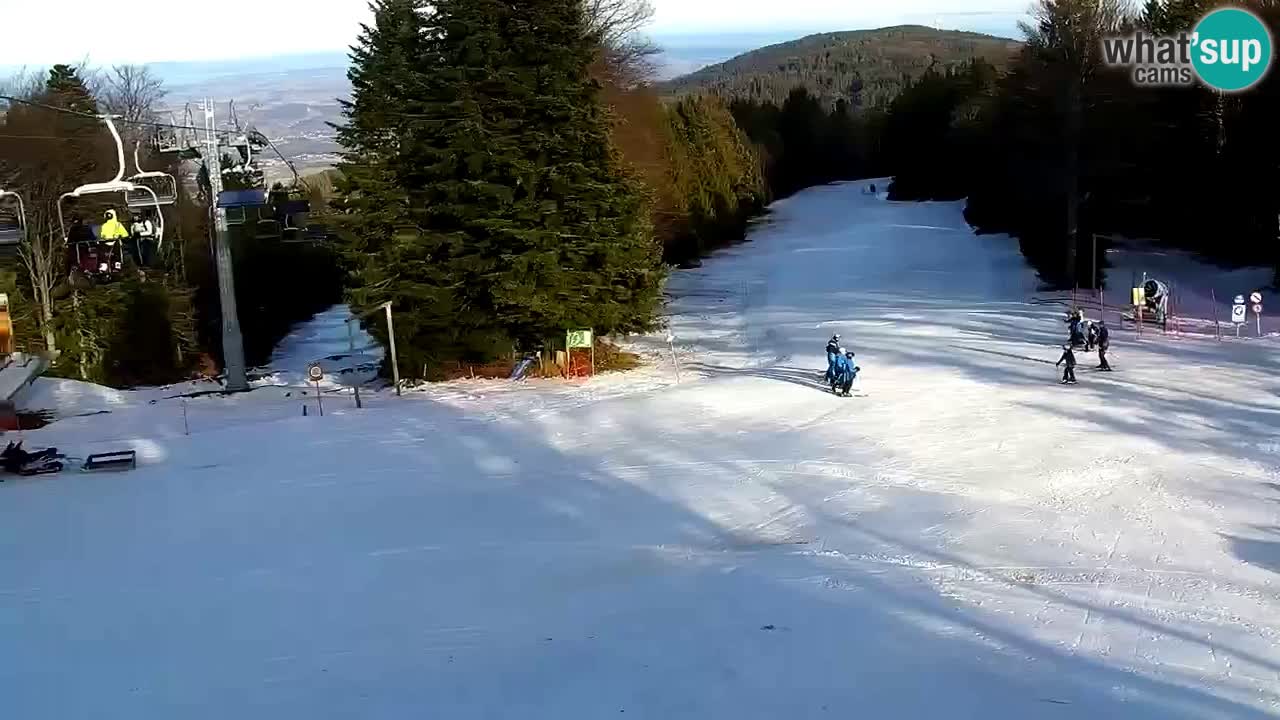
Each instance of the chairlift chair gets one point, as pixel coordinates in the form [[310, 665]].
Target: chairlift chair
[[267, 229], [242, 206], [168, 140], [12, 232], [153, 187], [116, 185]]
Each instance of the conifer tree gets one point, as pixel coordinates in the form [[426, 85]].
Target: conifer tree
[[504, 213], [383, 251], [556, 233]]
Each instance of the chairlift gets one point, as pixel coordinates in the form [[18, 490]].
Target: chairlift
[[189, 142], [257, 139], [267, 229], [12, 231], [242, 206], [295, 216], [168, 140], [162, 186], [116, 185]]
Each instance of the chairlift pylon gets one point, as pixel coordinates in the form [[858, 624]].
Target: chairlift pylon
[[12, 233], [116, 185]]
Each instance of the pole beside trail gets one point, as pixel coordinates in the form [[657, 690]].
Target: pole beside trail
[[1217, 326], [675, 361], [395, 361]]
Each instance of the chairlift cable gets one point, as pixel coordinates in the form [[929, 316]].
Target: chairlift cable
[[89, 116]]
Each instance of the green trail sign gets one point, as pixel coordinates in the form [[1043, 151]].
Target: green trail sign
[[578, 339]]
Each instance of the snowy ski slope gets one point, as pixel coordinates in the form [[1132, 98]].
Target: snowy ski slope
[[971, 540]]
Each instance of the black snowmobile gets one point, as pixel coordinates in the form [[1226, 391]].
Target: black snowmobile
[[20, 462]]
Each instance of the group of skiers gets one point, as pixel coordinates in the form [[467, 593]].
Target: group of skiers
[[1088, 335], [101, 252], [841, 370]]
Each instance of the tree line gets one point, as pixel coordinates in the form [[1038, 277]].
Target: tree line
[[1064, 146], [864, 68], [510, 172]]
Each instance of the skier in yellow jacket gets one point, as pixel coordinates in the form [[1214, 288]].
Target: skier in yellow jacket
[[113, 233], [112, 230]]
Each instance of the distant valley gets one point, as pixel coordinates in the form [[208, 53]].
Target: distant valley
[[293, 99], [291, 106]]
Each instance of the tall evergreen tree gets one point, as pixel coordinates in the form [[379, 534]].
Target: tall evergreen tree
[[556, 231], [373, 196], [505, 213], [66, 89]]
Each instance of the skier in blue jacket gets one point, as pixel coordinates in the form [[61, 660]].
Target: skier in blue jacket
[[844, 373], [833, 350]]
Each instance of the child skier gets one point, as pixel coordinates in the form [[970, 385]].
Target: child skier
[[1104, 344], [1068, 372], [833, 350], [1075, 320]]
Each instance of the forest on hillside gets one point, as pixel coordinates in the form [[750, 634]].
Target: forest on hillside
[[1062, 147], [510, 171], [1051, 145], [863, 68]]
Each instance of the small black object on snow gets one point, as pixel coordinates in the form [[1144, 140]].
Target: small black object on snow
[[767, 627]]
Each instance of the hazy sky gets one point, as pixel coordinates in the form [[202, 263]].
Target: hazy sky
[[160, 30]]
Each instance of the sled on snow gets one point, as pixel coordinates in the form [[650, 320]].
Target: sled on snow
[[118, 461]]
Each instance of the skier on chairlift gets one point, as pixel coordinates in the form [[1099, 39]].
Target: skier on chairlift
[[114, 235], [144, 237]]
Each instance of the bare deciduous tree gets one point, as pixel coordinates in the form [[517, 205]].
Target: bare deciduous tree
[[134, 93], [616, 25]]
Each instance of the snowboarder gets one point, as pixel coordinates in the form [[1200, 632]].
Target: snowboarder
[[833, 349], [1068, 372], [845, 373], [1104, 344]]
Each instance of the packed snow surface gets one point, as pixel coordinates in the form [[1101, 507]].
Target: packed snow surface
[[968, 540]]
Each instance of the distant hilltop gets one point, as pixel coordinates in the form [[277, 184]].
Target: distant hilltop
[[866, 67]]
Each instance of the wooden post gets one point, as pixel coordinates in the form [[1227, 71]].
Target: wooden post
[[391, 336], [351, 348], [675, 362], [593, 351], [1217, 326]]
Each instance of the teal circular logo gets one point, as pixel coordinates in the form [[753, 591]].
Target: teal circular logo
[[1232, 49]]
